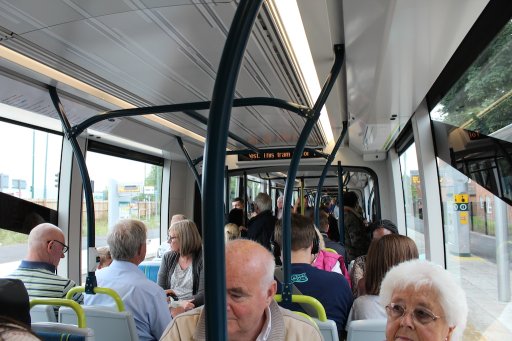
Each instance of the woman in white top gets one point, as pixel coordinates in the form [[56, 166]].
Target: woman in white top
[[383, 254]]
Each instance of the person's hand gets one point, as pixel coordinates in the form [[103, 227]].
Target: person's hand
[[176, 311], [187, 305]]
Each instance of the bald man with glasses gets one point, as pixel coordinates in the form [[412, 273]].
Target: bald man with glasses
[[38, 271]]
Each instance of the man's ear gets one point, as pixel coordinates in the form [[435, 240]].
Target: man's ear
[[271, 291]]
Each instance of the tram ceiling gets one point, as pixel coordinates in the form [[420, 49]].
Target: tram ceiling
[[146, 55]]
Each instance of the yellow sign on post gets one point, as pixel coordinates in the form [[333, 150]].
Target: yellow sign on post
[[461, 198], [463, 218]]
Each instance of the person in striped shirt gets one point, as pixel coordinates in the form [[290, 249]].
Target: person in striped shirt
[[38, 271]]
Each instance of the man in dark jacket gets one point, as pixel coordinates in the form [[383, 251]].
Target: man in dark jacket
[[261, 227]]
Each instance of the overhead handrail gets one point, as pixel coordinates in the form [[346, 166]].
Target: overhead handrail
[[324, 172], [304, 299], [187, 108], [63, 302], [213, 167], [99, 290], [189, 162], [339, 53], [90, 282]]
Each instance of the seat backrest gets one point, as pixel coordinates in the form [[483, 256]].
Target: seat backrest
[[328, 329], [43, 313], [107, 324], [150, 269], [367, 330], [53, 331]]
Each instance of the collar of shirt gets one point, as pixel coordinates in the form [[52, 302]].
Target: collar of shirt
[[27, 264], [265, 331]]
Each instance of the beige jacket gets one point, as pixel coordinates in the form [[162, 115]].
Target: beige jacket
[[285, 326]]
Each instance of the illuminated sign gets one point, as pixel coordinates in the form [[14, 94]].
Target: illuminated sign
[[276, 155]]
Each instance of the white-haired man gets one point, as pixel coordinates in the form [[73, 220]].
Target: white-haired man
[[142, 297], [251, 310], [260, 228]]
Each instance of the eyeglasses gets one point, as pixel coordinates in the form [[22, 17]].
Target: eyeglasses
[[65, 248], [421, 315], [171, 238]]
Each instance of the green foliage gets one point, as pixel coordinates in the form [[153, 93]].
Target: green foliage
[[9, 237], [485, 89]]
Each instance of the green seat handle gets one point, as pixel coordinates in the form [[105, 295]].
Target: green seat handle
[[98, 290], [62, 302], [303, 299]]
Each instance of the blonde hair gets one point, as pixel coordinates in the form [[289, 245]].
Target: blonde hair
[[231, 232], [188, 236]]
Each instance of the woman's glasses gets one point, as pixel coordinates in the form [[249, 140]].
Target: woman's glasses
[[421, 315]]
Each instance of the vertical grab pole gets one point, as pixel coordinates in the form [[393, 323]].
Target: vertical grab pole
[[213, 168], [90, 282], [294, 165], [341, 212], [227, 184], [246, 202], [189, 161], [324, 173]]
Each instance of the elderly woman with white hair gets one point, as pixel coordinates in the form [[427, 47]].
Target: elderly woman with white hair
[[423, 303]]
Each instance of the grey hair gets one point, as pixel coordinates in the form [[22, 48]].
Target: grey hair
[[420, 274], [126, 238], [263, 201]]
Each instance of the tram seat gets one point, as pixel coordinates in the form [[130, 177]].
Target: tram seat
[[328, 329], [107, 323], [367, 330], [150, 269], [43, 313], [58, 331], [53, 331]]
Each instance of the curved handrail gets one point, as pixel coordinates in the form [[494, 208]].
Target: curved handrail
[[63, 302], [98, 290], [307, 300]]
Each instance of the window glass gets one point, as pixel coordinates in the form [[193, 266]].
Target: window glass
[[411, 183], [473, 159], [29, 171], [481, 99], [478, 243], [123, 189]]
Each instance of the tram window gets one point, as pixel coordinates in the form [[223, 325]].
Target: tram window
[[476, 193], [33, 177], [411, 185], [124, 189]]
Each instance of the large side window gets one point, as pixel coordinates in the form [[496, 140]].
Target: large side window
[[123, 188], [29, 171], [473, 134]]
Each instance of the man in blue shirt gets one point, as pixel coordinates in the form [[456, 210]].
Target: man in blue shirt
[[330, 288], [142, 297]]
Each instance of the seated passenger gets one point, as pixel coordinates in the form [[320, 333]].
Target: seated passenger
[[384, 253], [13, 330], [329, 261], [142, 297], [38, 271], [330, 288], [379, 229], [231, 232], [423, 302], [14, 301], [324, 230], [105, 257], [181, 270], [251, 310]]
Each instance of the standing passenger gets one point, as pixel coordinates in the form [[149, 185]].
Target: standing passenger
[[261, 227], [142, 297], [357, 239]]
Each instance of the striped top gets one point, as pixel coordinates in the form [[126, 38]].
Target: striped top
[[41, 281]]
